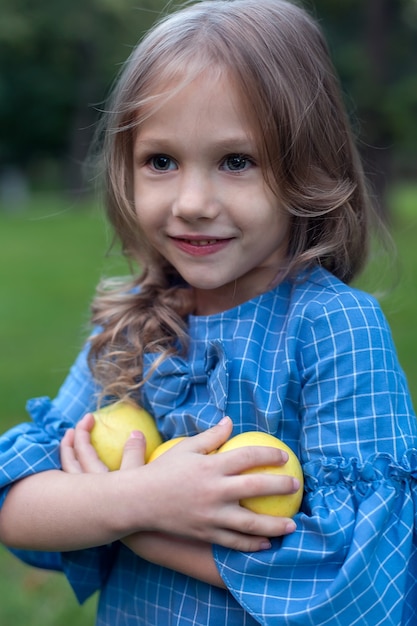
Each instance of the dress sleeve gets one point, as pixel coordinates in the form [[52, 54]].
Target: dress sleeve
[[33, 447], [353, 558]]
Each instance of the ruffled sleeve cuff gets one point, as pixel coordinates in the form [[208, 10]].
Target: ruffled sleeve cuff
[[353, 557], [32, 447]]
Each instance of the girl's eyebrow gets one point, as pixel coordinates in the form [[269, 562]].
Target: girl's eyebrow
[[234, 143], [241, 143]]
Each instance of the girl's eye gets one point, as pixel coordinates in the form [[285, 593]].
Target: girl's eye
[[162, 163], [236, 163]]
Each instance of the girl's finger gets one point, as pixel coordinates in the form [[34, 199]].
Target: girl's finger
[[240, 542], [68, 459], [238, 460], [134, 451], [247, 523], [84, 450], [209, 440], [250, 532], [249, 457], [260, 484], [86, 423]]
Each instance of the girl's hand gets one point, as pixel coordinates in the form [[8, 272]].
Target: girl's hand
[[78, 455], [187, 491], [196, 494]]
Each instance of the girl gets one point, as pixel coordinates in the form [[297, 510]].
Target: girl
[[231, 177]]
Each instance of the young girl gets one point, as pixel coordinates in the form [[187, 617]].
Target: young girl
[[232, 179]]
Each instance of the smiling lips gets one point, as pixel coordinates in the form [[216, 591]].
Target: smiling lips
[[200, 247]]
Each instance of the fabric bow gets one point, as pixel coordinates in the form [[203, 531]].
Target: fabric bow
[[176, 381]]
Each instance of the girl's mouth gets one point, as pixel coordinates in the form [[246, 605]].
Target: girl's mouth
[[200, 247]]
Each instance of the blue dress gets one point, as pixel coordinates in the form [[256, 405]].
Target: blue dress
[[312, 362]]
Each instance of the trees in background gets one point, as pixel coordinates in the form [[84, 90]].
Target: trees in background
[[57, 62], [374, 45], [58, 59]]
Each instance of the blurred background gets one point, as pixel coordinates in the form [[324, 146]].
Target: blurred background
[[58, 60]]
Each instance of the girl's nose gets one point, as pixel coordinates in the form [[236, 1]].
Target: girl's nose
[[195, 198]]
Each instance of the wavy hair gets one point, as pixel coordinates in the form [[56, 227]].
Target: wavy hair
[[278, 58]]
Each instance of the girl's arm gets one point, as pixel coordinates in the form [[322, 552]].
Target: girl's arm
[[55, 511], [186, 491], [192, 558]]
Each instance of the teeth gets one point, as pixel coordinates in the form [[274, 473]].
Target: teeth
[[203, 242]]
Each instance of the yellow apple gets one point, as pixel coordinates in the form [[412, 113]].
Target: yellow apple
[[164, 447], [279, 505], [113, 426]]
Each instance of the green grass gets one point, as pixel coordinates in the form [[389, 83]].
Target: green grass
[[33, 597], [395, 279], [51, 256]]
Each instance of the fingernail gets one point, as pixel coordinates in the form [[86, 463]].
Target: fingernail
[[265, 545], [290, 527], [137, 434], [224, 420], [296, 484]]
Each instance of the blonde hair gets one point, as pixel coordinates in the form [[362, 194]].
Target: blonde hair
[[276, 54]]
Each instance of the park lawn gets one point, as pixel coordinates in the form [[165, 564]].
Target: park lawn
[[396, 285], [33, 597], [51, 257]]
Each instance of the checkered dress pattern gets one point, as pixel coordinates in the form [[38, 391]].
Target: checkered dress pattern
[[312, 362]]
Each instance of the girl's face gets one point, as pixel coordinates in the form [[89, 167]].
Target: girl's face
[[201, 197]]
